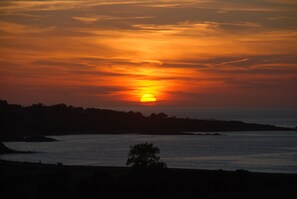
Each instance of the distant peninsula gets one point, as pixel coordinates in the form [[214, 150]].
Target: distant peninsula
[[41, 120], [5, 150]]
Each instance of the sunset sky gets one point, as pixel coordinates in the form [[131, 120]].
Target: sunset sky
[[96, 53]]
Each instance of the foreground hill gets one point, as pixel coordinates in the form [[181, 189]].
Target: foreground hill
[[59, 119], [36, 180]]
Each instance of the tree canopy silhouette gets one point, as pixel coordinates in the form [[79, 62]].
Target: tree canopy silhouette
[[145, 155]]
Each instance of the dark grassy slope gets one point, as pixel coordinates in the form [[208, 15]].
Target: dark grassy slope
[[33, 180], [61, 119]]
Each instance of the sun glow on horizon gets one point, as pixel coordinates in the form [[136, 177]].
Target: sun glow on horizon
[[148, 98], [201, 53]]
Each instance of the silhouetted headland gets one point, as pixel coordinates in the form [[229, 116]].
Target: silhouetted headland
[[5, 150], [40, 120]]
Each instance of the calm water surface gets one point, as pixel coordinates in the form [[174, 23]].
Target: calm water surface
[[254, 151]]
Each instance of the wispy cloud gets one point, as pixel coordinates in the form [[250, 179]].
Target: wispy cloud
[[180, 51]]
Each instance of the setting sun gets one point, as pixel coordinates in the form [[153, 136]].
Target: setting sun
[[146, 98], [138, 88], [115, 53]]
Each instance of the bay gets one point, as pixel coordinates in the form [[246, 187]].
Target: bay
[[254, 151]]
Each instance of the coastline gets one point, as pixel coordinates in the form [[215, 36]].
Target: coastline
[[40, 120], [45, 137], [227, 152]]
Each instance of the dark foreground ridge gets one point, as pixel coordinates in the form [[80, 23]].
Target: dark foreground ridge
[[60, 119], [36, 180]]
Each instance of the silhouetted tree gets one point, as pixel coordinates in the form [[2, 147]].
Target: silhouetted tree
[[144, 155], [158, 116], [162, 116], [153, 115], [3, 103]]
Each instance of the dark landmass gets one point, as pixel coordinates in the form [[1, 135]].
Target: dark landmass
[[5, 150], [36, 180], [60, 119], [208, 134]]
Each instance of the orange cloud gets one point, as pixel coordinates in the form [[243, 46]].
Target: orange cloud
[[183, 52]]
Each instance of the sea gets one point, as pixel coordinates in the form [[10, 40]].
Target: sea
[[258, 151]]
